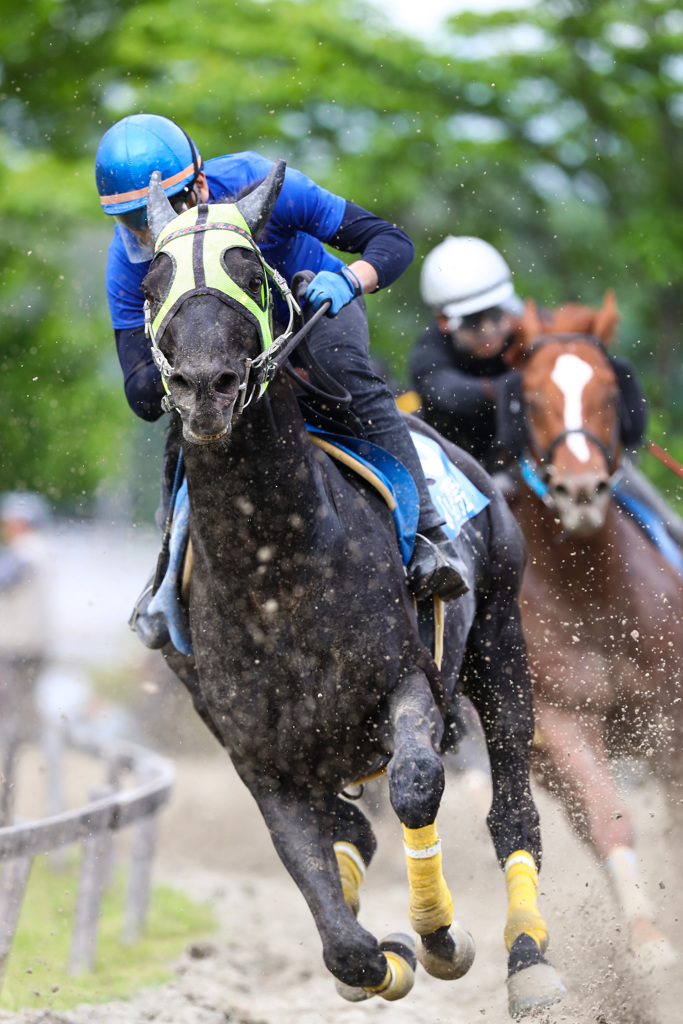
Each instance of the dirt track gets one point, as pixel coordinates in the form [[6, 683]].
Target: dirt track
[[264, 967]]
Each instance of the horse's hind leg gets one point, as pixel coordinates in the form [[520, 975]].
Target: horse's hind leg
[[354, 847], [416, 783]]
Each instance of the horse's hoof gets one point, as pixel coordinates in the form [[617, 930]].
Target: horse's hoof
[[534, 988], [352, 993], [447, 953], [399, 950]]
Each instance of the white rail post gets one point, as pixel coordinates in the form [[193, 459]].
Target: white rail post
[[94, 870], [140, 877], [15, 872]]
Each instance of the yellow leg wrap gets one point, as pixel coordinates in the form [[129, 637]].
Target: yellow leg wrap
[[521, 880], [398, 981], [431, 906], [351, 872]]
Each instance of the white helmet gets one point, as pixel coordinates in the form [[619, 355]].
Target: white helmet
[[467, 275]]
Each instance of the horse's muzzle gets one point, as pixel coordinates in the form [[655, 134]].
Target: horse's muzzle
[[581, 501]]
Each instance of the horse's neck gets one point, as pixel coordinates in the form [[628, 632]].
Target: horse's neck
[[262, 469]]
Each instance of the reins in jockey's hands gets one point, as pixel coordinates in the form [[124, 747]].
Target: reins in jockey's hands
[[339, 287]]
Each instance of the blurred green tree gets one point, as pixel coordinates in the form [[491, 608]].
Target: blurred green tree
[[553, 131]]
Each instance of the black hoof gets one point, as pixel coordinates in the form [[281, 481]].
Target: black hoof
[[532, 982]]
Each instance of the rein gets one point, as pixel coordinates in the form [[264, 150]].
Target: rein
[[664, 457]]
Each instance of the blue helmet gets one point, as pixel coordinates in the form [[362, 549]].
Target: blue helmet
[[135, 147]]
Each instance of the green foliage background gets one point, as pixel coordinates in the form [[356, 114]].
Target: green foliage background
[[553, 131]]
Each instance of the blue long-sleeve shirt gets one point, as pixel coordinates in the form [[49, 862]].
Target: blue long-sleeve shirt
[[305, 218]]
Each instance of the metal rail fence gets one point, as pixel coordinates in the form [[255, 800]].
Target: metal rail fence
[[110, 809]]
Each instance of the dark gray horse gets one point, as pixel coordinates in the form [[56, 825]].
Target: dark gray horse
[[309, 667]]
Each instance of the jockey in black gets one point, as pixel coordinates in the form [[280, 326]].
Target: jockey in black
[[468, 391], [305, 218]]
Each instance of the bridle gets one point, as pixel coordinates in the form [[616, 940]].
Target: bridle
[[536, 461], [198, 273]]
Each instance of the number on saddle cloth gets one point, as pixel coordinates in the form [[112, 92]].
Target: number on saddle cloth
[[453, 494]]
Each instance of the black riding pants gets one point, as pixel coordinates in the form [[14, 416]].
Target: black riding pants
[[341, 345]]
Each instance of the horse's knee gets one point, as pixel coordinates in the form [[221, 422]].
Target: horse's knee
[[416, 784]]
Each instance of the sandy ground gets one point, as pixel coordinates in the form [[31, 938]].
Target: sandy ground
[[264, 964]]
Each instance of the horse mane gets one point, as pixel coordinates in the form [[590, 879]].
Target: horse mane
[[571, 318]]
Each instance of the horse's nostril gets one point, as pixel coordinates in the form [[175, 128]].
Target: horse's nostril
[[561, 490], [602, 488], [225, 383], [180, 386]]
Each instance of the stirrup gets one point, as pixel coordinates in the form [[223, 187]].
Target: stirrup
[[151, 631]]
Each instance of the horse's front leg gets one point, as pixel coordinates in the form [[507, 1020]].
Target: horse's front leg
[[499, 685], [416, 783], [302, 832]]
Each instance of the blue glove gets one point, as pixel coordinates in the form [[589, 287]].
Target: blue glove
[[340, 287]]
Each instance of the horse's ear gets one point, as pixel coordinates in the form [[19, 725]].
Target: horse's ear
[[529, 326], [159, 210], [607, 318], [257, 206], [531, 323]]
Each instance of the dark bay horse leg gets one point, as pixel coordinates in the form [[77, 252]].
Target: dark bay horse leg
[[302, 832], [497, 681], [416, 784]]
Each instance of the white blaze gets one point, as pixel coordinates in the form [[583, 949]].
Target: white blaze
[[571, 375]]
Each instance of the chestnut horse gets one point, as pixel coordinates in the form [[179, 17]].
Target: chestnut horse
[[602, 609]]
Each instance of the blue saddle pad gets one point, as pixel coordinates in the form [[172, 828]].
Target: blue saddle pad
[[393, 475], [453, 494], [653, 527], [166, 603]]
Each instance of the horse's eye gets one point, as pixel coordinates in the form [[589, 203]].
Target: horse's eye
[[255, 284]]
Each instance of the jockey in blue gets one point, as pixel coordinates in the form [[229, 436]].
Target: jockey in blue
[[305, 219]]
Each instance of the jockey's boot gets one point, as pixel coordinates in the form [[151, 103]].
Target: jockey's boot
[[436, 567], [151, 630]]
